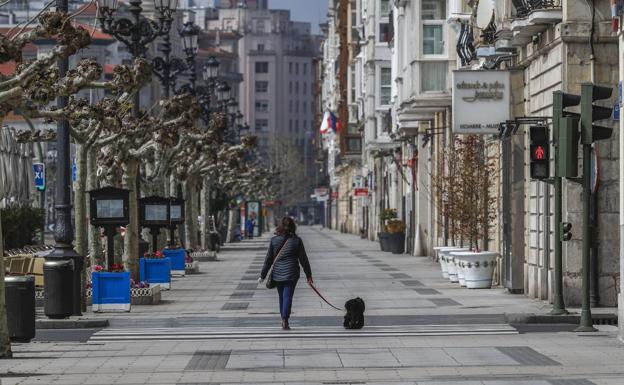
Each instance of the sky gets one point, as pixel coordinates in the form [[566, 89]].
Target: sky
[[313, 11]]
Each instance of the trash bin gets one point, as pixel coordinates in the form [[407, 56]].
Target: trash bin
[[20, 307], [58, 278]]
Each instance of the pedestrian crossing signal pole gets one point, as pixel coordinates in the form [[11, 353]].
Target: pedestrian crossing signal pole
[[589, 134], [565, 139]]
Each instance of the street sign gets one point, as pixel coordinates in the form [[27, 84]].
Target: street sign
[[361, 192], [39, 173]]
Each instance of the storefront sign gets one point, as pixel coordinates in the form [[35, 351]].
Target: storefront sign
[[39, 173], [480, 101], [361, 192]]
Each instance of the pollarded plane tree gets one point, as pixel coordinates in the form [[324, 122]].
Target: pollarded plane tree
[[92, 126], [142, 138], [34, 84]]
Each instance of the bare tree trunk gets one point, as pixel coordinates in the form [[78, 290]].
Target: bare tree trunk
[[173, 191], [205, 213], [231, 224], [190, 217], [5, 342], [80, 208], [93, 233], [131, 239], [80, 211]]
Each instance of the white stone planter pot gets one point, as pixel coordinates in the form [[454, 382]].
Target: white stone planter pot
[[443, 265], [450, 262], [478, 267]]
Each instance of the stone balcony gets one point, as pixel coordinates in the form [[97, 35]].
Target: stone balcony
[[530, 22]]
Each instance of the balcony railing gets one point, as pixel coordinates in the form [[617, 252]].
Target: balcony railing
[[525, 7]]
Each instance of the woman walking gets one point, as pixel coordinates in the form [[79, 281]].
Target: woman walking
[[281, 266]]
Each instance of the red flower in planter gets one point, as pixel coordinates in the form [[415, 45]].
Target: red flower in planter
[[158, 254], [117, 268], [98, 268]]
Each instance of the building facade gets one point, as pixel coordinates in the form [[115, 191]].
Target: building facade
[[402, 57]]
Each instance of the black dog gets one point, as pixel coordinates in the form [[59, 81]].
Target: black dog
[[354, 319]]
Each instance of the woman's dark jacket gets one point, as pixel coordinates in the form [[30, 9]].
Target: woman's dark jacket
[[287, 266]]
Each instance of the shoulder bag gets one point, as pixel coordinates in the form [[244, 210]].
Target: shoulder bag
[[270, 283]]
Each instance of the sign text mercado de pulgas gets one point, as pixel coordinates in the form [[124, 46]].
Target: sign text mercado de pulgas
[[480, 101]]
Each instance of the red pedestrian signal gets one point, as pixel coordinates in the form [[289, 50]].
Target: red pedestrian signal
[[539, 153]]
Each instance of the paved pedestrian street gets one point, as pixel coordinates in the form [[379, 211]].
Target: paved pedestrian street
[[222, 327]]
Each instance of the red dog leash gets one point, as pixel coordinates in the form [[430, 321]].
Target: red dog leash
[[321, 296]]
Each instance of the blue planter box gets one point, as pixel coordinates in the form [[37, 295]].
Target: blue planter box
[[177, 260], [156, 270], [111, 291]]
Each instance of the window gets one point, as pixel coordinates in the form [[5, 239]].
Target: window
[[296, 106], [305, 68], [296, 126], [433, 9], [262, 67], [262, 125], [296, 68], [305, 125], [433, 20], [433, 76], [262, 87], [384, 7], [384, 32], [262, 106], [260, 26], [260, 47], [304, 107], [297, 88], [305, 88], [290, 87], [433, 40], [290, 66], [290, 126], [385, 82]]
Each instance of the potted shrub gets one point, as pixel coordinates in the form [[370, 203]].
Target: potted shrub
[[154, 268], [396, 237], [178, 260], [475, 211], [385, 216], [111, 289], [445, 191]]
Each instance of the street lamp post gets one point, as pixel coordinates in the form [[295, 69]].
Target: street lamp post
[[63, 231], [189, 34], [204, 94], [137, 33], [167, 68]]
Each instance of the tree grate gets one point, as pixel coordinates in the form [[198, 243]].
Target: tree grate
[[235, 306], [209, 360]]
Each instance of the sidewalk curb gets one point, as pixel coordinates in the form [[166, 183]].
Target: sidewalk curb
[[572, 318], [71, 323]]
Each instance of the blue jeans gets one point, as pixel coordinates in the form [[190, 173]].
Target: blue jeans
[[286, 291]]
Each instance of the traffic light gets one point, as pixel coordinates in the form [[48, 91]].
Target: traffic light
[[566, 231], [540, 152], [590, 113], [566, 134]]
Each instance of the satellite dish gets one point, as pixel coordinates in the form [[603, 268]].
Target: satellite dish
[[484, 13]]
